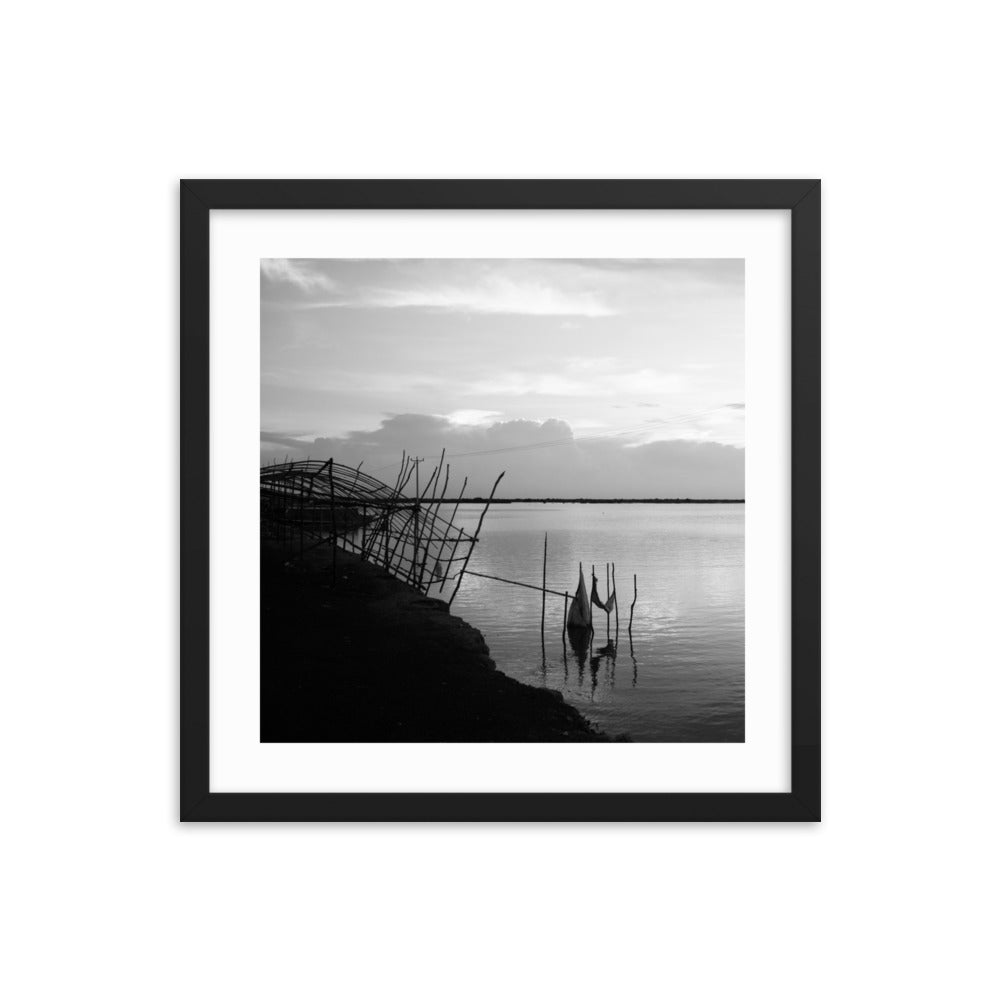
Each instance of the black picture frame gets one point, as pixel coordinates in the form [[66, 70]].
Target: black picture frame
[[198, 198]]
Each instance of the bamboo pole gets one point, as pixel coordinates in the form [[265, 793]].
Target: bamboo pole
[[615, 585], [357, 476], [416, 522], [425, 526], [565, 611], [391, 565], [635, 594], [545, 560], [333, 524], [379, 530], [593, 580], [430, 525], [437, 512], [333, 515], [302, 493], [454, 546], [386, 517], [475, 537], [607, 596], [403, 527]]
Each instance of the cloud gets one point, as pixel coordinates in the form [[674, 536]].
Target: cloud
[[297, 273], [517, 288], [624, 382], [495, 295], [471, 418], [541, 458], [292, 443]]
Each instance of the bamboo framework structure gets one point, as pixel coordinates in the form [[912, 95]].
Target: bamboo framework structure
[[307, 504], [310, 504]]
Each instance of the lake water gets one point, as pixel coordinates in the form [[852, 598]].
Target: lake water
[[681, 678]]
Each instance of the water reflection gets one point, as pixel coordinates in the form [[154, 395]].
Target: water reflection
[[605, 655], [579, 640], [688, 617], [590, 659]]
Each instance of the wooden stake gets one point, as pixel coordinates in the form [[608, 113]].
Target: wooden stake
[[615, 585], [545, 559], [593, 577], [431, 489], [437, 511], [635, 588], [454, 545], [403, 527], [475, 538], [422, 562], [607, 595]]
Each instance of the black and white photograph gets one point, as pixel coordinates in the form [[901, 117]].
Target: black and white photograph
[[502, 500]]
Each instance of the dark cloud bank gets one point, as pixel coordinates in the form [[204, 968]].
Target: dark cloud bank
[[535, 466]]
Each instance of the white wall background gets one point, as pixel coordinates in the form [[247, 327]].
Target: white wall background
[[106, 105]]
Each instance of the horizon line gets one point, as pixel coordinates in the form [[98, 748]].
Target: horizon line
[[588, 500]]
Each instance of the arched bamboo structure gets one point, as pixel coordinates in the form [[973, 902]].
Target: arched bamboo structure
[[311, 503]]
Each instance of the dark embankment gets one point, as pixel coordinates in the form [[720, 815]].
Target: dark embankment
[[356, 655]]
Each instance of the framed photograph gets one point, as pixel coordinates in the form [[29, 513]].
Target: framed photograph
[[500, 500]]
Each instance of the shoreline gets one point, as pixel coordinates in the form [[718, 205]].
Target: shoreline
[[351, 654]]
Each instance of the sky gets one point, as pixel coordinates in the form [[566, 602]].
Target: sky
[[603, 378]]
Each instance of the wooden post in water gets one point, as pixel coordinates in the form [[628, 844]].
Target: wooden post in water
[[565, 611], [593, 578], [635, 594], [545, 559], [607, 595], [615, 585]]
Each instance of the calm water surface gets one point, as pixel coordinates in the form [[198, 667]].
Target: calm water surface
[[681, 677]]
